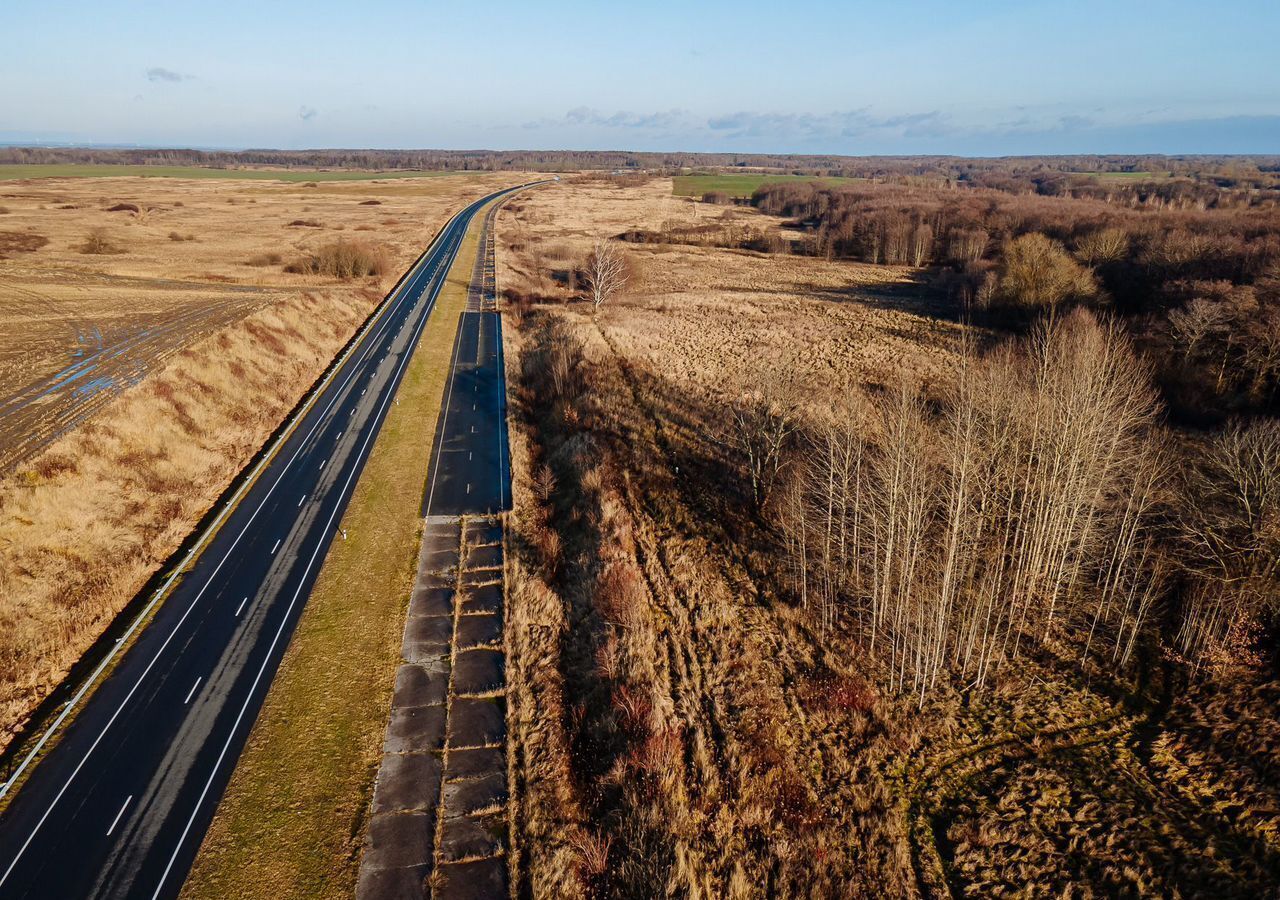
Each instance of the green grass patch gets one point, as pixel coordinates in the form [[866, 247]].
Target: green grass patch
[[292, 821], [739, 185], [12, 172]]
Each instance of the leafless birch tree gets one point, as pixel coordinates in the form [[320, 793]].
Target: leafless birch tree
[[606, 272]]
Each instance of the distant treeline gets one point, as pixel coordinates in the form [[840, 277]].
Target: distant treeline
[[1044, 174]]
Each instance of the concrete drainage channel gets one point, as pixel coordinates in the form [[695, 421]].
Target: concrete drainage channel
[[438, 827]]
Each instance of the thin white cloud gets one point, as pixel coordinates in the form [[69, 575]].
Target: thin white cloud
[[160, 73]]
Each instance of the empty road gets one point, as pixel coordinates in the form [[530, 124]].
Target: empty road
[[118, 807]]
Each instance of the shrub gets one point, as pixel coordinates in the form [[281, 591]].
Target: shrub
[[265, 259], [98, 243], [343, 259], [179, 236], [305, 223], [370, 202], [123, 207], [1037, 272]]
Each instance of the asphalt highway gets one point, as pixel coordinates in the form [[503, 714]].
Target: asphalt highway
[[119, 805], [470, 472]]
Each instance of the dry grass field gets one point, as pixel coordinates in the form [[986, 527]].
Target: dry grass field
[[682, 726], [103, 279], [86, 519]]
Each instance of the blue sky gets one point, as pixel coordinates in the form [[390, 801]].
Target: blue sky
[[923, 76]]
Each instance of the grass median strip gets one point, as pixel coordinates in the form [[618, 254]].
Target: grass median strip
[[292, 820]]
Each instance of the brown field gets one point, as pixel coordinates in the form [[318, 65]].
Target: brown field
[[179, 260], [88, 518], [683, 724]]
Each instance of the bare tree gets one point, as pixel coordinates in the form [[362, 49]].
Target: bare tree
[[1194, 322], [606, 272], [1233, 527], [758, 429]]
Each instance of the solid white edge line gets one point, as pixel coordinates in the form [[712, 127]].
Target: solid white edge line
[[381, 320], [116, 820]]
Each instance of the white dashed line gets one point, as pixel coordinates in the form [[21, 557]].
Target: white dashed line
[[240, 608], [191, 693], [276, 547], [116, 820]]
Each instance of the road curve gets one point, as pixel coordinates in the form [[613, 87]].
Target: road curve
[[118, 807]]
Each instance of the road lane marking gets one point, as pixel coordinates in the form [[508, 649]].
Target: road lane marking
[[116, 820], [276, 547], [193, 690], [304, 496], [240, 608], [326, 462]]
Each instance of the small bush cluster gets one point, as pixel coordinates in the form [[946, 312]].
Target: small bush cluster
[[343, 259]]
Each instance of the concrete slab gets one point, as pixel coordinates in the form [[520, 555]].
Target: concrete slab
[[429, 630], [475, 631], [418, 686], [479, 671], [486, 599], [428, 656], [484, 531], [478, 722], [469, 837], [481, 879], [419, 728], [469, 797], [392, 884], [488, 556], [407, 782], [478, 577], [476, 762], [400, 840], [439, 559], [432, 601]]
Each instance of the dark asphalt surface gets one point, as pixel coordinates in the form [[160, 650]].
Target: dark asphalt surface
[[119, 806], [470, 473]]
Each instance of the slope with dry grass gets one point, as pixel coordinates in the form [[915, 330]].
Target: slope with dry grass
[[88, 520]]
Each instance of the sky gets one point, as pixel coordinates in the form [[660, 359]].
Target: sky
[[964, 77]]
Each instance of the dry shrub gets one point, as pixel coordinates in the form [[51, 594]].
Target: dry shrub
[[345, 260], [1037, 272], [20, 242], [592, 850], [305, 223], [124, 207], [179, 236], [265, 259], [99, 243], [370, 202]]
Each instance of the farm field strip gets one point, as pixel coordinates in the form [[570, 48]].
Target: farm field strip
[[16, 172]]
